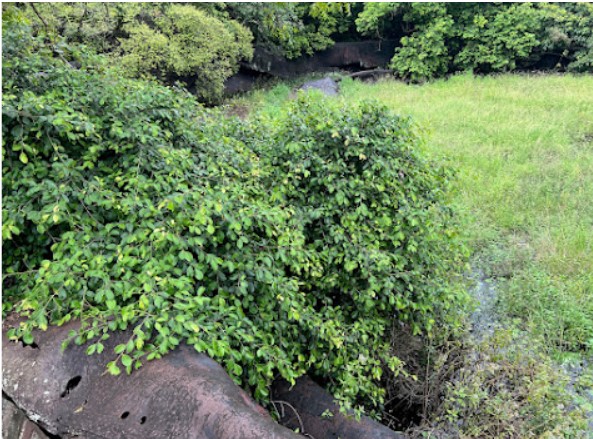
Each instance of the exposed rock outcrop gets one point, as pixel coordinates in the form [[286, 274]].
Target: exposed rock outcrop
[[326, 85], [183, 395], [359, 55], [307, 406], [16, 425], [52, 393], [354, 56]]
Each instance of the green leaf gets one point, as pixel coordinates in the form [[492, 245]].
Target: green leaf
[[113, 369], [126, 360], [28, 338], [187, 256]]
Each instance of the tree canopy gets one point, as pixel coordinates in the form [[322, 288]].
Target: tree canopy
[[203, 44]]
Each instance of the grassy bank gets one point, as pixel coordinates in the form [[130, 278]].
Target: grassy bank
[[523, 148]]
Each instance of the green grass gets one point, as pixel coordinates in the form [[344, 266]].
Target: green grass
[[523, 147]]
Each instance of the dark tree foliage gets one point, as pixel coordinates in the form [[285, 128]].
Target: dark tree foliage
[[483, 37], [203, 44], [292, 29], [171, 42]]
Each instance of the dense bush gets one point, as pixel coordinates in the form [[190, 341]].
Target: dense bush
[[483, 37], [97, 25], [426, 54], [568, 34], [373, 208], [292, 29], [374, 213], [286, 29], [186, 42], [123, 206], [172, 42], [202, 44], [277, 247]]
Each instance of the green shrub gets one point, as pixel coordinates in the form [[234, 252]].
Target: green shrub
[[441, 38], [172, 42], [375, 214], [497, 39], [291, 29], [568, 34], [202, 44], [186, 42], [374, 18], [425, 54], [127, 205]]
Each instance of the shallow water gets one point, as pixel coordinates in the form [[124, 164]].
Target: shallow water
[[485, 321]]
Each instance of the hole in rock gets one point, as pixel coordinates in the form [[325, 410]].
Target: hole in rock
[[124, 415], [142, 419], [32, 345], [71, 385]]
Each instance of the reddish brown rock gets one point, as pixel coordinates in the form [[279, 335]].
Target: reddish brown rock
[[184, 395]]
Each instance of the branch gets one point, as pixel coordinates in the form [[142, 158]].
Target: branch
[[47, 31], [367, 73], [39, 16]]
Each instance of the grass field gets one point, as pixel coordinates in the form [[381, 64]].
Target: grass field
[[523, 149], [523, 146]]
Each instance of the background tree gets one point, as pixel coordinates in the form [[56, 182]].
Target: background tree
[[441, 38], [172, 42], [292, 29], [183, 43]]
